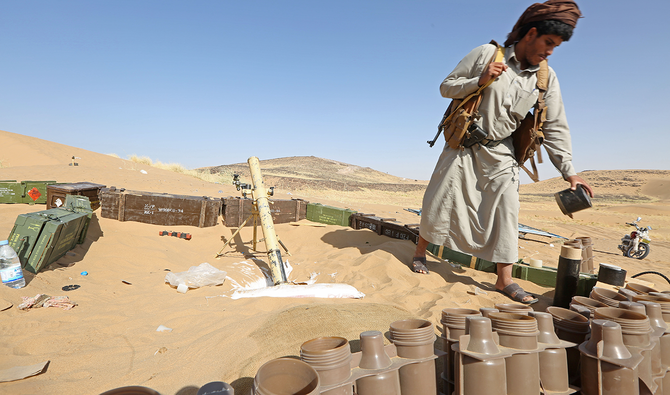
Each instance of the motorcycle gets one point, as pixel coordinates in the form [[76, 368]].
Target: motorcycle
[[636, 245]]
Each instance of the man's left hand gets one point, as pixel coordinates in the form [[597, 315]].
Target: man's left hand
[[577, 180]]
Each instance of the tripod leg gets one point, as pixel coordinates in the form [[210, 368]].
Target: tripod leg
[[233, 236], [283, 246], [255, 230]]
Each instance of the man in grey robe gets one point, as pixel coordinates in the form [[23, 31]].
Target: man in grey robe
[[471, 204]]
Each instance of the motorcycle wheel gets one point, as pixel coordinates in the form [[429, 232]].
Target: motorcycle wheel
[[641, 253]]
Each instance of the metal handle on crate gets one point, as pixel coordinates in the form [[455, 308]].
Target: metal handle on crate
[[22, 241], [51, 217]]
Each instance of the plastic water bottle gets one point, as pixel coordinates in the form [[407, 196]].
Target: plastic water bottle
[[10, 266]]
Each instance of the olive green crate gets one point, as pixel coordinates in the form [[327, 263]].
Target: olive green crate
[[80, 204], [328, 215], [543, 276], [29, 192], [42, 237]]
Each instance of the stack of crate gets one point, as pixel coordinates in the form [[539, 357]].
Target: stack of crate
[[56, 193], [42, 237]]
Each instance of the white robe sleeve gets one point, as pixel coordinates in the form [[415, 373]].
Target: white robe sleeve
[[464, 79]]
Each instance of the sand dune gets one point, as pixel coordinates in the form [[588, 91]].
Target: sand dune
[[110, 340]]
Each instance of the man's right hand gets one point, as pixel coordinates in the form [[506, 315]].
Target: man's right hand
[[493, 71], [577, 180]]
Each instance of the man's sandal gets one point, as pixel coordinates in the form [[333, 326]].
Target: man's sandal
[[419, 265], [517, 294]]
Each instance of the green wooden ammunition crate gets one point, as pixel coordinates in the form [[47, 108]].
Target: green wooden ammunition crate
[[384, 226], [328, 215], [10, 191], [544, 276], [43, 237], [80, 204], [30, 192], [459, 257]]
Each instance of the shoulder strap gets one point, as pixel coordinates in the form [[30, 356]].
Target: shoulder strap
[[540, 115], [542, 84], [498, 56], [543, 76]]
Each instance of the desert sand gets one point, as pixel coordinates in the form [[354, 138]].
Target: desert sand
[[109, 339]]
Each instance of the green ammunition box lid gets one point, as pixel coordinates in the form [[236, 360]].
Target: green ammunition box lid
[[317, 212], [43, 237]]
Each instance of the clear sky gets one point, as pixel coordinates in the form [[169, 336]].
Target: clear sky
[[206, 83]]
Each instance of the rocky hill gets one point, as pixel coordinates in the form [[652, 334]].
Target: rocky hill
[[309, 172], [610, 185]]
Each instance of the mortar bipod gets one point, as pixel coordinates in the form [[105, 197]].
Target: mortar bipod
[[254, 216], [261, 211]]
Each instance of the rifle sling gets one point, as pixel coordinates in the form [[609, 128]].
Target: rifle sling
[[497, 57]]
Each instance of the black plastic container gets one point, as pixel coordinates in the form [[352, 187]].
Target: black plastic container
[[612, 275], [570, 201]]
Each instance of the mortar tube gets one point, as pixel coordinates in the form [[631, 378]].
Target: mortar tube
[[260, 195], [567, 275]]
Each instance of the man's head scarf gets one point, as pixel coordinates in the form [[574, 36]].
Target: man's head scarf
[[565, 11]]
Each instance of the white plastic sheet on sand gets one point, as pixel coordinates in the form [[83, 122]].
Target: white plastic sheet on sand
[[301, 291], [196, 277], [252, 281]]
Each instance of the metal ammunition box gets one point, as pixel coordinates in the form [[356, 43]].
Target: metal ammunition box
[[385, 226], [236, 210], [317, 212], [544, 276], [30, 192], [80, 204], [56, 193], [41, 238], [159, 208]]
